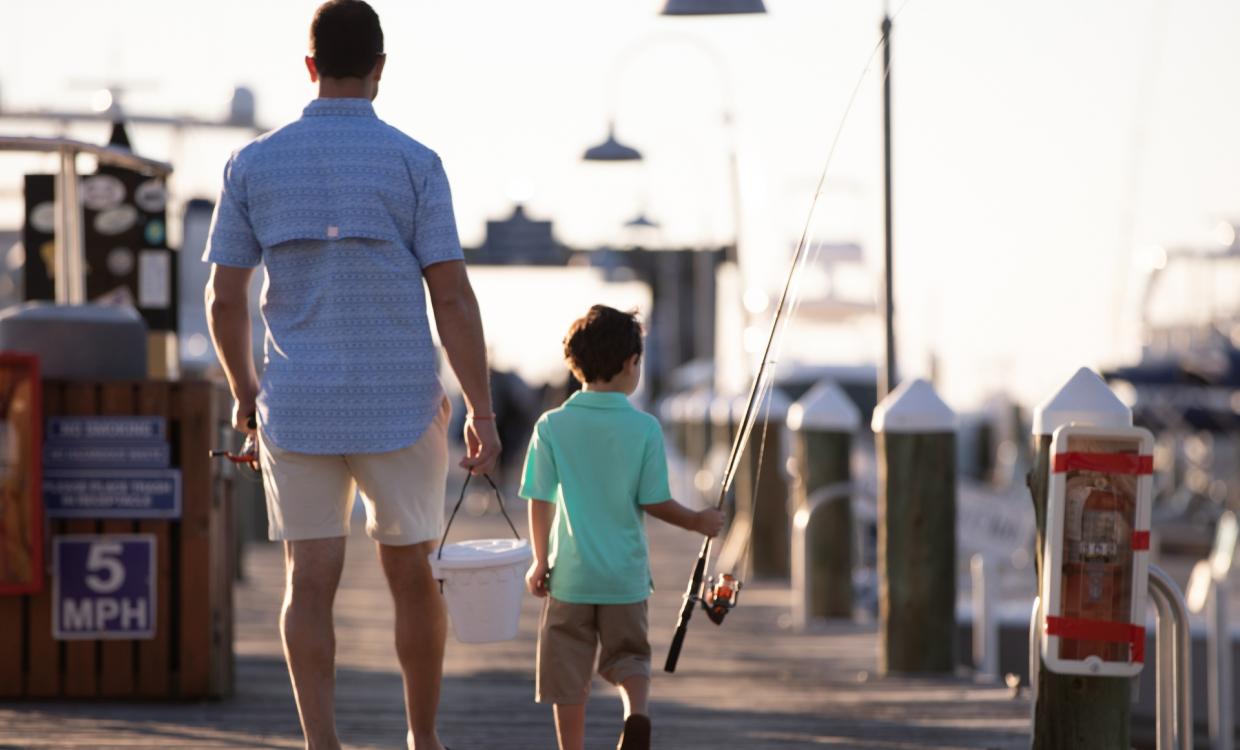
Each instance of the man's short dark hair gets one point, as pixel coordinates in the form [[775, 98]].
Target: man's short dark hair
[[600, 342], [345, 39]]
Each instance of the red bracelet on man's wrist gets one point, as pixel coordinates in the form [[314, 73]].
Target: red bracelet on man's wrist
[[479, 417]]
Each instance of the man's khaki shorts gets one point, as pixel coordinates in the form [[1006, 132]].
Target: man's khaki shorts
[[311, 496], [568, 636]]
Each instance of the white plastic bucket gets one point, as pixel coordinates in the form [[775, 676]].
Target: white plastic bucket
[[483, 581]]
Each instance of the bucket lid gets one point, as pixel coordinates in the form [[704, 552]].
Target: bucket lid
[[481, 553]]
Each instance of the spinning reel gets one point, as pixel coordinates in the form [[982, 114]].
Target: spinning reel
[[719, 596]]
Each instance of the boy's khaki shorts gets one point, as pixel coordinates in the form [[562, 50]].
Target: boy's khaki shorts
[[568, 636], [311, 496]]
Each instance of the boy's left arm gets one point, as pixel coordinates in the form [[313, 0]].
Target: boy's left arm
[[708, 521], [653, 488]]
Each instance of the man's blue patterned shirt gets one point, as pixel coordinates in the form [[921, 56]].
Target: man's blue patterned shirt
[[344, 211]]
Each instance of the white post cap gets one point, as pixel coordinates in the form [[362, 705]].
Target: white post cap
[[676, 406], [913, 407], [1084, 399], [667, 407], [775, 399], [696, 406], [825, 408], [721, 409]]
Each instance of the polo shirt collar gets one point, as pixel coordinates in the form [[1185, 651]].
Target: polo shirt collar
[[599, 400], [339, 107]]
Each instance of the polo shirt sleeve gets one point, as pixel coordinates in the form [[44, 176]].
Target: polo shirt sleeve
[[434, 231], [540, 480], [652, 486], [231, 241]]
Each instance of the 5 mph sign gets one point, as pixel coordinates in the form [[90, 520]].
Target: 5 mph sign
[[104, 587]]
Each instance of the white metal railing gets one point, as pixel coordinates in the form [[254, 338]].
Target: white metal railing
[[1173, 676], [1174, 700], [69, 266]]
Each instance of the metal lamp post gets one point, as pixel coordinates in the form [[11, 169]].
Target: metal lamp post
[[612, 150], [888, 378], [711, 7]]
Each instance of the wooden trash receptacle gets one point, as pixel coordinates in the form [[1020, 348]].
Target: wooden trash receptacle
[[191, 653]]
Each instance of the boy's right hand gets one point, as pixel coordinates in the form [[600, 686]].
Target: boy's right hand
[[536, 578], [710, 521]]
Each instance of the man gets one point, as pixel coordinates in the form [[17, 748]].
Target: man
[[349, 216]]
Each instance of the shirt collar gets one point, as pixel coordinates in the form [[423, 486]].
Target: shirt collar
[[599, 400], [339, 107]]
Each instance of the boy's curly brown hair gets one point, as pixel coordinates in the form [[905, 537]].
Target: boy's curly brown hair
[[598, 343]]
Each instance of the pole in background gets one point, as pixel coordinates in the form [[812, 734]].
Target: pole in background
[[1207, 592], [70, 261], [888, 378], [985, 575]]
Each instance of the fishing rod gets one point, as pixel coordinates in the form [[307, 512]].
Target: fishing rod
[[719, 595]]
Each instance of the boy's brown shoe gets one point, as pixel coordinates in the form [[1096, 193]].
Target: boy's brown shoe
[[636, 735]]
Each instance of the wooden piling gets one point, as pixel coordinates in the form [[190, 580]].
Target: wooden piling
[[822, 424], [916, 442], [762, 488], [1074, 712]]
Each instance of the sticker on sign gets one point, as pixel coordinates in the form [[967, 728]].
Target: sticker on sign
[[103, 587]]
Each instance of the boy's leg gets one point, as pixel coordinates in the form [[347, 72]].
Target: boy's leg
[[624, 661], [570, 725], [421, 628], [635, 692], [313, 569], [567, 641]]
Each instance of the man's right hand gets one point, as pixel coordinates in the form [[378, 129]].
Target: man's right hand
[[482, 446]]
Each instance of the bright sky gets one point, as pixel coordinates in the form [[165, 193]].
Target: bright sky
[[1041, 148]]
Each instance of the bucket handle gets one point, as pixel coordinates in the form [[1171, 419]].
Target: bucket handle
[[499, 499]]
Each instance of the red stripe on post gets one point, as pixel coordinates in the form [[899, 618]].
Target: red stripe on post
[[1140, 540], [1099, 630], [1110, 463]]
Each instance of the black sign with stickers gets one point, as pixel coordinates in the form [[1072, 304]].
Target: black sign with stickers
[[124, 230]]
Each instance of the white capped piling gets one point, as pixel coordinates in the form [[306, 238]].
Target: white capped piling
[[822, 424], [762, 489], [1075, 711], [698, 427], [680, 426], [916, 441], [722, 427]]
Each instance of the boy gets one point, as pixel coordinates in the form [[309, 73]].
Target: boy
[[594, 465]]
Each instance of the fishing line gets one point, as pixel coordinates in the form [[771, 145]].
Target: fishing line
[[791, 300], [760, 392]]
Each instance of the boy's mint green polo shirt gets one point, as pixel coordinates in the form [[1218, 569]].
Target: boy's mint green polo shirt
[[599, 460]]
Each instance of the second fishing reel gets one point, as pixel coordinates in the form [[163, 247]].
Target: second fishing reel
[[719, 596]]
